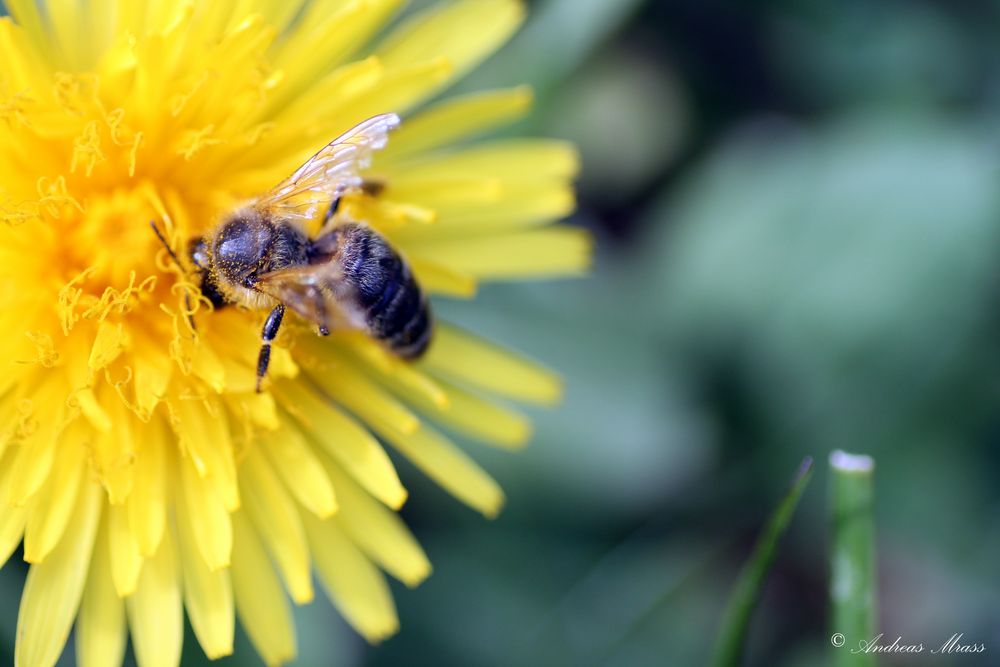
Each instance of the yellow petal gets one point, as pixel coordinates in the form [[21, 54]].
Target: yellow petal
[[449, 466], [474, 416], [207, 365], [100, 628], [346, 81], [379, 532], [204, 434], [66, 20], [240, 373], [152, 373], [507, 186], [54, 587], [330, 107], [98, 25], [93, 411], [258, 409], [154, 610], [359, 90], [439, 279], [53, 505], [210, 524], [276, 13], [261, 604], [327, 34], [385, 214], [114, 453], [509, 208], [108, 344], [460, 356], [400, 88], [132, 16], [28, 17], [12, 519], [458, 191], [294, 460], [346, 440], [443, 31], [276, 519], [508, 160], [31, 465], [552, 251], [444, 401], [393, 371], [454, 119], [34, 457], [354, 584], [208, 594], [8, 420], [126, 562], [361, 396], [147, 509]]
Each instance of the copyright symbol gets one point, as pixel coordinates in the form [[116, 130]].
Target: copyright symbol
[[837, 639]]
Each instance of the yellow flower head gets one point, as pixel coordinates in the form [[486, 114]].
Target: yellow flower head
[[137, 463]]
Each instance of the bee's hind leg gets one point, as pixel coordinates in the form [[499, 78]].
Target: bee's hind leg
[[368, 186], [271, 326], [332, 211]]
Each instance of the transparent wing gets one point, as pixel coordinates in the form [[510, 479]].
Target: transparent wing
[[330, 172], [318, 293]]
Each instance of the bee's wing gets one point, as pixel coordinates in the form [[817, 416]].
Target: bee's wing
[[330, 172], [318, 293]]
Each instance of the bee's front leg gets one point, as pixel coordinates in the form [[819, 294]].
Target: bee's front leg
[[271, 326]]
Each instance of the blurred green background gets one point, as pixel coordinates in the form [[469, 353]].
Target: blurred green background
[[797, 209]]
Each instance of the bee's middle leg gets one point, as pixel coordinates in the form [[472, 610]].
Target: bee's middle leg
[[271, 326]]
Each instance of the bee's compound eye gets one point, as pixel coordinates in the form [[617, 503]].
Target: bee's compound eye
[[198, 252]]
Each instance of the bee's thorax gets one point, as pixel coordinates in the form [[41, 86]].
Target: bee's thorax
[[250, 244]]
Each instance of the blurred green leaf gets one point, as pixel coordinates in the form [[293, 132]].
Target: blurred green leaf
[[838, 54], [731, 641], [624, 147], [518, 597], [847, 274]]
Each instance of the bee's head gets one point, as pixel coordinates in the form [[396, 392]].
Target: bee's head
[[240, 248]]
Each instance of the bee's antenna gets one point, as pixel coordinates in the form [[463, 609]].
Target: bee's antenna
[[177, 261], [163, 240]]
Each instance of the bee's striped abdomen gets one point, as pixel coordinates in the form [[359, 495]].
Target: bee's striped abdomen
[[395, 309]]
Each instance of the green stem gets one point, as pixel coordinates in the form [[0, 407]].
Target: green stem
[[730, 644], [852, 566]]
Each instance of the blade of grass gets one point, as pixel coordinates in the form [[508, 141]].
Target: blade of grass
[[730, 643], [852, 564]]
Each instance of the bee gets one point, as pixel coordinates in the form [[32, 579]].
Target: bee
[[345, 276]]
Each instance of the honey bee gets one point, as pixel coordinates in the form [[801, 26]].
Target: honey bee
[[346, 276]]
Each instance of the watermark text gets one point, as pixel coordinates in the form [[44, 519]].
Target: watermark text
[[956, 644]]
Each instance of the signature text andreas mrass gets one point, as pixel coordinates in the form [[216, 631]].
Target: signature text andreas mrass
[[878, 644]]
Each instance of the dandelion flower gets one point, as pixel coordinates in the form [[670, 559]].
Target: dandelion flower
[[139, 468]]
